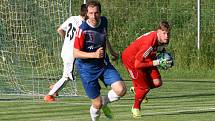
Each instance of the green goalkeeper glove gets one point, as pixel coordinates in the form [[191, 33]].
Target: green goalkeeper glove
[[163, 63]]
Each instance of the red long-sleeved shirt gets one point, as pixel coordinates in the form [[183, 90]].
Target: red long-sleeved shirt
[[142, 51]]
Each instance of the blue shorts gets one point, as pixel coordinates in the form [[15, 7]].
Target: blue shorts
[[108, 75]]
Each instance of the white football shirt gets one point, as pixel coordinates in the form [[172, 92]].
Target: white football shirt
[[70, 26]]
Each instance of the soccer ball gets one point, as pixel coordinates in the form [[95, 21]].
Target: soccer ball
[[165, 55], [168, 63]]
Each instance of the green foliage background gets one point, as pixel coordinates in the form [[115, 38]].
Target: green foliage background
[[128, 19]]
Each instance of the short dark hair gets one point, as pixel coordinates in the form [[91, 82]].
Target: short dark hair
[[94, 3], [164, 25], [83, 10]]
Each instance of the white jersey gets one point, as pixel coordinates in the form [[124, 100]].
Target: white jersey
[[70, 26]]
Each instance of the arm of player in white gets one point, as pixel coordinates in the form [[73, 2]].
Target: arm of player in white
[[61, 32]]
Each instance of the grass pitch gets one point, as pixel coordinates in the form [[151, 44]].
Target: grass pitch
[[176, 100]]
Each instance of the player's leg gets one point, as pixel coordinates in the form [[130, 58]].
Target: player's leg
[[63, 81], [143, 82], [145, 100], [93, 92], [112, 77], [95, 108], [56, 88], [92, 89], [60, 83], [141, 88], [156, 78], [72, 77], [139, 96], [118, 90]]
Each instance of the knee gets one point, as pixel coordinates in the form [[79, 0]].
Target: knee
[[120, 89], [97, 103], [157, 83]]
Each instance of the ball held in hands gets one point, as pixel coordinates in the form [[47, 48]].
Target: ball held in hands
[[165, 60]]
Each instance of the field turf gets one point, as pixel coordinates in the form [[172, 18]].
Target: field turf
[[176, 100]]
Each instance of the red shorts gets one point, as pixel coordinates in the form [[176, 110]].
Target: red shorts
[[144, 78]]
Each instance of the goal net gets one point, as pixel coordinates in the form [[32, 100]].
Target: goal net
[[30, 46]]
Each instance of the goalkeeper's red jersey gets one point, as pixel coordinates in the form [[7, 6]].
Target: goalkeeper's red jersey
[[142, 49]]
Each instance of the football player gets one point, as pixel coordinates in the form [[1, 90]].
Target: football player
[[93, 62], [140, 60], [67, 31]]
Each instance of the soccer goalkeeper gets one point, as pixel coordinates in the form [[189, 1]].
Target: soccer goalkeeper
[[140, 60], [67, 31]]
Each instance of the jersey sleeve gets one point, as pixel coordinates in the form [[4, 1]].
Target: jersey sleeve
[[106, 23], [65, 24], [79, 39], [144, 57]]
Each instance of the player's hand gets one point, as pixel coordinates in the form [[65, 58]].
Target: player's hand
[[115, 56], [99, 53], [165, 64]]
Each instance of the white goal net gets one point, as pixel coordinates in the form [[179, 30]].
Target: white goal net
[[30, 46]]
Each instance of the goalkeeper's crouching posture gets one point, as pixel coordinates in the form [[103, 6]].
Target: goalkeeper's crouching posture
[[141, 62]]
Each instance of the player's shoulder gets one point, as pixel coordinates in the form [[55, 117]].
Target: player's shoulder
[[84, 25], [151, 33], [104, 21], [73, 18], [77, 17], [103, 17]]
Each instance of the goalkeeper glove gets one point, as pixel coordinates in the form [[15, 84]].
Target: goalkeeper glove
[[163, 63]]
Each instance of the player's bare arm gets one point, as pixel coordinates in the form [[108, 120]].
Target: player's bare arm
[[61, 32], [84, 55], [115, 55]]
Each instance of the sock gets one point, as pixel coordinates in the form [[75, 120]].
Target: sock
[[57, 86], [111, 97], [139, 96], [94, 113]]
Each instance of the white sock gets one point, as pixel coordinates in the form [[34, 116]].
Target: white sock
[[94, 113], [57, 86], [111, 97]]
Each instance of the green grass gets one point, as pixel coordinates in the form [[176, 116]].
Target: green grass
[[176, 100]]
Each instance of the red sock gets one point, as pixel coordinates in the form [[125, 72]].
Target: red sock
[[139, 96]]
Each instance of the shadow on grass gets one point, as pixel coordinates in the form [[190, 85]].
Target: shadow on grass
[[181, 112], [15, 99], [185, 96]]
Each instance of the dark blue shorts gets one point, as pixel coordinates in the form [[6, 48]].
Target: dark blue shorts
[[108, 75]]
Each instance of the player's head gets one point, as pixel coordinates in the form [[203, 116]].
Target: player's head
[[163, 31], [83, 10], [94, 3], [93, 11]]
